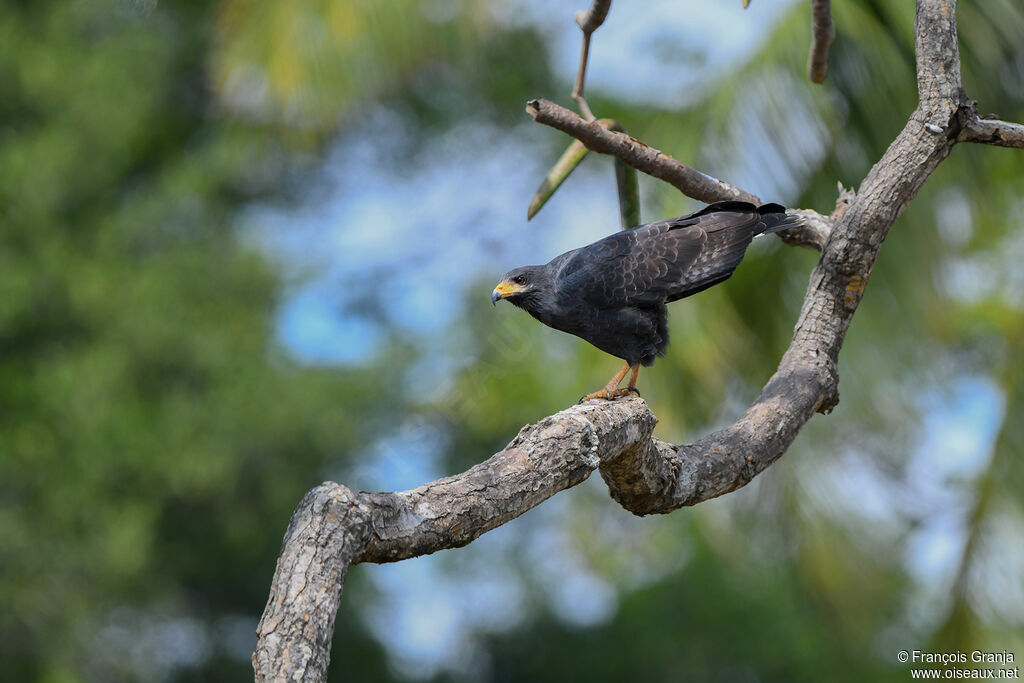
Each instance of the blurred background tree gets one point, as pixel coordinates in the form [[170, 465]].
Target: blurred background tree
[[247, 245]]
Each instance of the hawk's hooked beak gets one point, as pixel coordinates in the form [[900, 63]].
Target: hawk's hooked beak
[[504, 290]]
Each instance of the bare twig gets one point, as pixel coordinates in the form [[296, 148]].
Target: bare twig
[[588, 21], [635, 153], [824, 32], [581, 74], [692, 183], [992, 132], [334, 527]]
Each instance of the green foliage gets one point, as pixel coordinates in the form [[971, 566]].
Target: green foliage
[[674, 630], [154, 438]]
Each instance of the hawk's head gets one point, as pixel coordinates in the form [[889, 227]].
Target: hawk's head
[[525, 287]]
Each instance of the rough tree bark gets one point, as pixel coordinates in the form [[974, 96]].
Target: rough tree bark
[[334, 527]]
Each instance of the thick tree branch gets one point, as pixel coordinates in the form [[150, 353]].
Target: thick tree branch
[[992, 132], [335, 527], [824, 32]]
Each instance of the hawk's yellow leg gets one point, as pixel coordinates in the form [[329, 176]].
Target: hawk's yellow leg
[[611, 391]]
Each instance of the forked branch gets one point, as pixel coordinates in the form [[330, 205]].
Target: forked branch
[[334, 527]]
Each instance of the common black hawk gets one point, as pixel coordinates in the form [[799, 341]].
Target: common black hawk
[[613, 292]]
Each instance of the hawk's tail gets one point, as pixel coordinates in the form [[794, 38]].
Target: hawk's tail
[[775, 218]]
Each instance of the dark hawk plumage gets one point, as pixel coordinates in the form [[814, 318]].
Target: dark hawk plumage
[[613, 292]]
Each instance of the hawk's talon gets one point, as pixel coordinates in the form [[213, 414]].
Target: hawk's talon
[[609, 392]]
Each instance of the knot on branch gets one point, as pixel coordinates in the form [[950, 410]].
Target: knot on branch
[[829, 397], [641, 478]]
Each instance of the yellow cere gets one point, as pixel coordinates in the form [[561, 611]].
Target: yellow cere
[[506, 288]]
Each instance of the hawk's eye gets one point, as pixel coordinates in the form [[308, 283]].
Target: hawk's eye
[[519, 279]]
